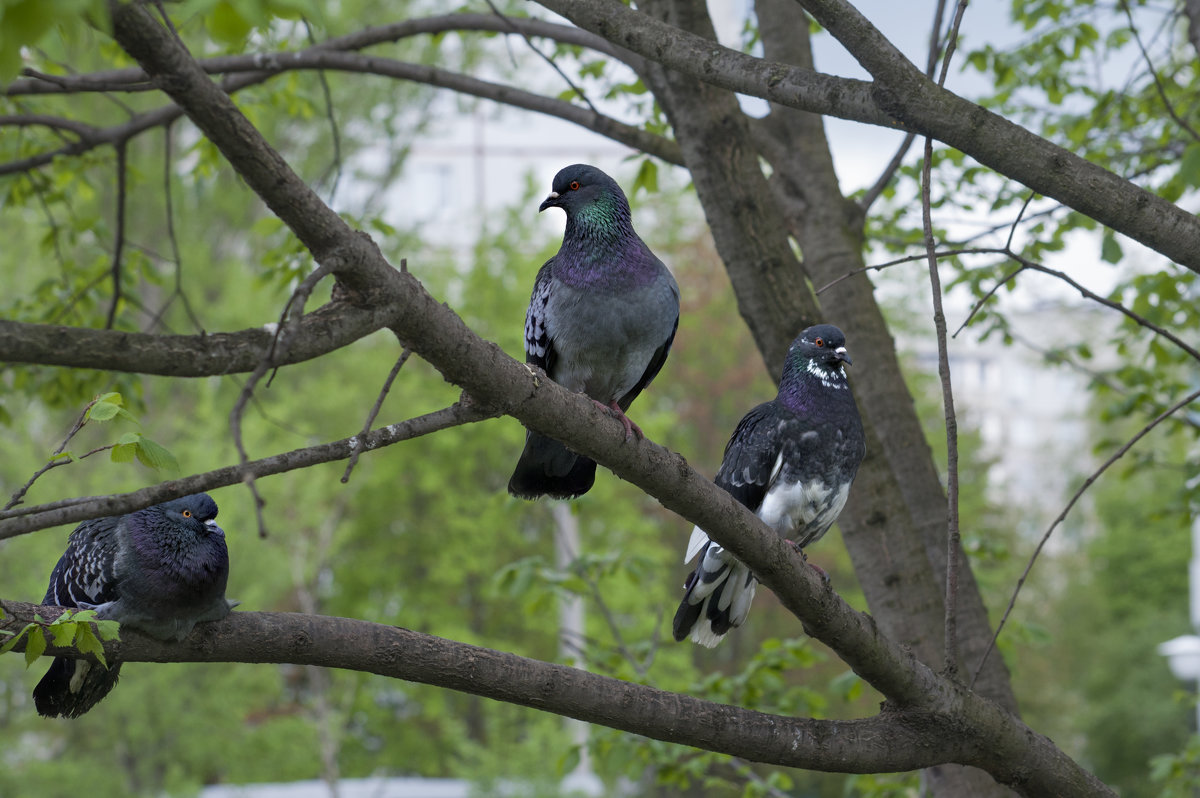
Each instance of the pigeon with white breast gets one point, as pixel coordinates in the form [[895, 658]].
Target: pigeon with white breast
[[792, 461], [601, 320], [160, 570]]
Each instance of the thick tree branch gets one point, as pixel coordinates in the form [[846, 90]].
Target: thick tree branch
[[902, 97], [884, 743], [323, 331]]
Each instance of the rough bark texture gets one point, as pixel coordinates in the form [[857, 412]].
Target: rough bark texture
[[928, 719], [887, 742]]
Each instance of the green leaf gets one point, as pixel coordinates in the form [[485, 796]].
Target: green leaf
[[647, 176], [155, 456], [103, 411], [228, 25], [1189, 166], [35, 645], [569, 761], [108, 630], [1110, 250], [63, 633], [16, 638], [124, 452], [87, 642]]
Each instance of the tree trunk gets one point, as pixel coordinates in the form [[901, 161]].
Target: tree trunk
[[895, 523]]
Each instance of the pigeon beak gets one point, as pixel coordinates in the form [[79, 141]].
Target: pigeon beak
[[549, 202], [213, 529], [841, 354]]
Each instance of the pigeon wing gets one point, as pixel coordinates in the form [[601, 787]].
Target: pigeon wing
[[753, 456], [86, 573], [539, 349]]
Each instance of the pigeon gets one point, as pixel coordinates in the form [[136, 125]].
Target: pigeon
[[601, 320], [792, 461], [160, 570]]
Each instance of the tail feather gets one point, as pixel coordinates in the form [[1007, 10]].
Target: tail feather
[[548, 468], [73, 686], [717, 597], [696, 542]]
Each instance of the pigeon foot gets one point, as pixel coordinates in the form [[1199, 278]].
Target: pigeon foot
[[614, 409]]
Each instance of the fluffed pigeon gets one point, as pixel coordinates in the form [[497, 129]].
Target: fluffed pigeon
[[160, 570], [601, 320], [791, 461]]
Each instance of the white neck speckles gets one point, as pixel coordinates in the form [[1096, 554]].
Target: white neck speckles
[[828, 378]]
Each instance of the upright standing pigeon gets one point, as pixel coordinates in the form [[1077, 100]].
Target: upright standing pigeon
[[791, 461], [601, 320], [160, 570]]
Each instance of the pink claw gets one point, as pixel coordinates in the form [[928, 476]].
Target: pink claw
[[631, 428]]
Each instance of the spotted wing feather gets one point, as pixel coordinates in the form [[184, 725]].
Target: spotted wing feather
[[539, 348], [85, 574]]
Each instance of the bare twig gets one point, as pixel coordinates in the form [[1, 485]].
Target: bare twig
[[1012, 231], [55, 461], [283, 334], [1162, 93], [327, 96], [566, 78], [56, 123], [889, 171], [1087, 483], [21, 520], [169, 211], [990, 293], [939, 321], [119, 243], [945, 253], [387, 386]]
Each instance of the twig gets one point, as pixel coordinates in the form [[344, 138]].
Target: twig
[[743, 769], [20, 520], [119, 244], [1012, 231], [1140, 320], [333, 127], [56, 123], [615, 628], [1162, 93], [54, 462], [387, 386], [939, 322], [889, 171], [942, 253], [176, 257], [1061, 516], [578, 91]]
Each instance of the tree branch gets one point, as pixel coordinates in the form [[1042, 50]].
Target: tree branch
[[249, 70], [902, 97], [325, 330], [886, 742], [22, 520]]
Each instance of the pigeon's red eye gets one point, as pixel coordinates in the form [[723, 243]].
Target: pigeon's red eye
[[574, 185], [187, 513], [820, 342]]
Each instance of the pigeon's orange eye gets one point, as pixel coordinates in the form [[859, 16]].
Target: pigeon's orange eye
[[820, 342], [574, 185], [187, 513]]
